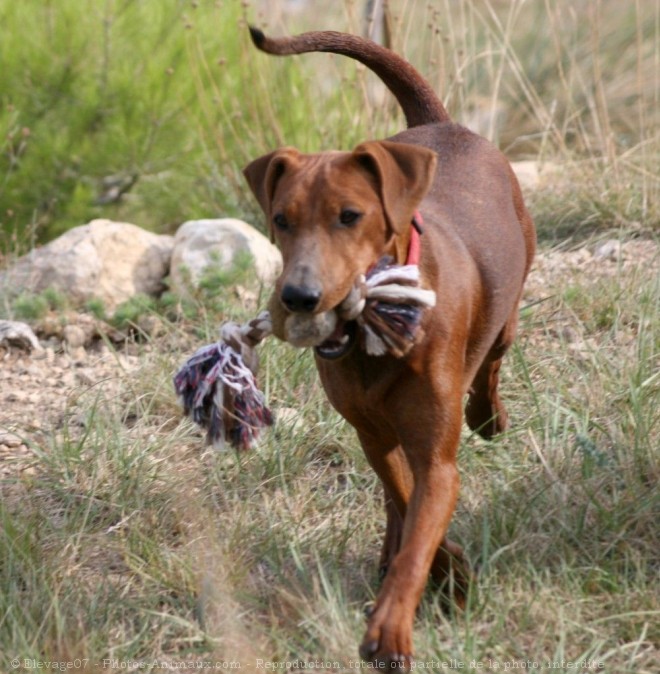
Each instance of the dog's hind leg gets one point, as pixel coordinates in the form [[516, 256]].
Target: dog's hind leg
[[393, 532], [485, 412], [451, 574]]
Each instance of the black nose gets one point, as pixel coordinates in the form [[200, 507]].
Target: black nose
[[301, 299]]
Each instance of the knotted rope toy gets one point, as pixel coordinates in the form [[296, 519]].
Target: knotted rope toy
[[217, 385]]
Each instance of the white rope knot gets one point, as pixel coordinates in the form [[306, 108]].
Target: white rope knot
[[387, 304], [244, 338], [354, 303], [217, 385]]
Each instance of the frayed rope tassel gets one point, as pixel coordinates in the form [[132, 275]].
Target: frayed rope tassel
[[217, 386]]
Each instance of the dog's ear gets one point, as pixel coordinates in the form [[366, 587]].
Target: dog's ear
[[262, 175], [404, 174]]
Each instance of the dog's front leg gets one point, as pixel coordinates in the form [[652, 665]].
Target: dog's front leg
[[428, 500]]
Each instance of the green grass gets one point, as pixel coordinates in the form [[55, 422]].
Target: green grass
[[127, 539]]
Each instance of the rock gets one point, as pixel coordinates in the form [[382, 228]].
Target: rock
[[200, 243], [10, 440], [74, 336], [533, 174], [290, 418], [85, 378], [112, 261], [609, 250], [16, 397], [47, 355], [527, 173], [76, 329], [150, 325], [50, 325], [78, 355], [13, 333]]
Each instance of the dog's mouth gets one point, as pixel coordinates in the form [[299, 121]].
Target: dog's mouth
[[340, 342]]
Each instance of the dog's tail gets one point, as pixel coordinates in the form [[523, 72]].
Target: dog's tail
[[414, 94]]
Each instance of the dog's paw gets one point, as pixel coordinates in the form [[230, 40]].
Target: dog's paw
[[387, 644], [385, 662]]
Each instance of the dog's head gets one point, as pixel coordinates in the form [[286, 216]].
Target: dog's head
[[335, 214]]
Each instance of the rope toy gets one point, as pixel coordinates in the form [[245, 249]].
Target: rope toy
[[387, 305], [217, 385]]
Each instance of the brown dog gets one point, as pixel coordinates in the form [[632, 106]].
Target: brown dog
[[334, 214]]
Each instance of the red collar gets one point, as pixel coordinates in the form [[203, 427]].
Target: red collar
[[415, 245]]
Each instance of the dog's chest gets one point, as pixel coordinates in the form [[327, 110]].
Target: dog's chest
[[359, 385]]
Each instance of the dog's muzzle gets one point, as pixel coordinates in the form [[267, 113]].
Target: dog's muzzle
[[332, 333]]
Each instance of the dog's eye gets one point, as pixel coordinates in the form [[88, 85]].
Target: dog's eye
[[280, 222], [349, 217]]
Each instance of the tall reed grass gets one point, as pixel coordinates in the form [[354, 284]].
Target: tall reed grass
[[171, 99]]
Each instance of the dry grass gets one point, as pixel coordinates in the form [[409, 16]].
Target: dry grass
[[132, 541], [129, 540]]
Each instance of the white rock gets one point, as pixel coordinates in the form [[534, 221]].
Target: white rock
[[19, 334], [200, 243], [527, 173], [608, 250], [533, 174], [108, 260], [290, 418]]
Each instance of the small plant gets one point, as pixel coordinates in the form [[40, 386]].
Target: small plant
[[96, 307], [213, 295], [33, 306], [30, 306], [127, 314], [57, 300]]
